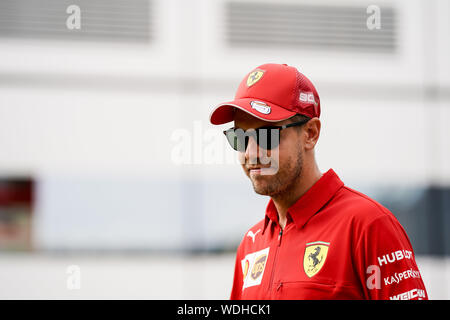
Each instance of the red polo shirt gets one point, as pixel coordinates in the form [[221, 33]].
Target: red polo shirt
[[337, 244]]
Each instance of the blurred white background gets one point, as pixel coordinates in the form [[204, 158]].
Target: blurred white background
[[88, 116]]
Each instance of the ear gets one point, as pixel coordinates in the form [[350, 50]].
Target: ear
[[311, 131]]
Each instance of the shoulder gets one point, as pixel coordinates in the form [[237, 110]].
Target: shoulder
[[360, 206], [363, 211]]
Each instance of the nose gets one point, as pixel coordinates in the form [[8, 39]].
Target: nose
[[251, 152]]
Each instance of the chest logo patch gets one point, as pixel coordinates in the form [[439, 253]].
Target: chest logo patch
[[315, 256], [253, 266], [259, 266]]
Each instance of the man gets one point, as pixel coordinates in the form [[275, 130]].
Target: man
[[319, 239]]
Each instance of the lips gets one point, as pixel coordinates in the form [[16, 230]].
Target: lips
[[255, 170]]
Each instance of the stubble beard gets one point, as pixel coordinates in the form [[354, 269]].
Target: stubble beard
[[280, 182]]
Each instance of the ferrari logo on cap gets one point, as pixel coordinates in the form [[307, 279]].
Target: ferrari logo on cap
[[314, 258], [254, 77]]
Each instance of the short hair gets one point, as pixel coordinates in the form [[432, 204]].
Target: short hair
[[299, 118]]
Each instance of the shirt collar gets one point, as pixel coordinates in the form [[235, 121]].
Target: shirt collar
[[310, 202]]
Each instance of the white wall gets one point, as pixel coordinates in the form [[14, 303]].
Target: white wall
[[86, 117]]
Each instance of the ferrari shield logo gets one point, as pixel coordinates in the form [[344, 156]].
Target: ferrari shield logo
[[315, 255], [254, 77]]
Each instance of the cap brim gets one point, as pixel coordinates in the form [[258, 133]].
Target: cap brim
[[224, 112]]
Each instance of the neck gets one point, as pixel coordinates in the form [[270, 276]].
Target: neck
[[283, 201]]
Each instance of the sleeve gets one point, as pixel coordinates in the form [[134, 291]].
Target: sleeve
[[236, 291], [385, 264]]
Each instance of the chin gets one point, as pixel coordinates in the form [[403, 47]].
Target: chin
[[263, 192], [262, 188]]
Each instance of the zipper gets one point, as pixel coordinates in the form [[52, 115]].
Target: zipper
[[280, 235], [279, 285]]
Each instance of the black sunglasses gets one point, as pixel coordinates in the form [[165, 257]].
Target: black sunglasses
[[267, 137]]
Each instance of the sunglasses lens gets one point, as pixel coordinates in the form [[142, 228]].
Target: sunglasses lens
[[267, 138], [235, 140]]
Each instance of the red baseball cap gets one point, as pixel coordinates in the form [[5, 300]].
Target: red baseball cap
[[271, 92]]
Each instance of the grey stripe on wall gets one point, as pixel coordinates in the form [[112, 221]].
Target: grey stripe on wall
[[309, 27], [101, 20]]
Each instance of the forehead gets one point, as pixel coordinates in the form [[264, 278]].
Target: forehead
[[246, 121]]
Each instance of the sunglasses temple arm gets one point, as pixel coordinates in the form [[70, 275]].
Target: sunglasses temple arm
[[294, 124]]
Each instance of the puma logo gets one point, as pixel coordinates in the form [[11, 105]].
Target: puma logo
[[253, 235]]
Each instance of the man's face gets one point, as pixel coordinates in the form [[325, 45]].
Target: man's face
[[285, 165]]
